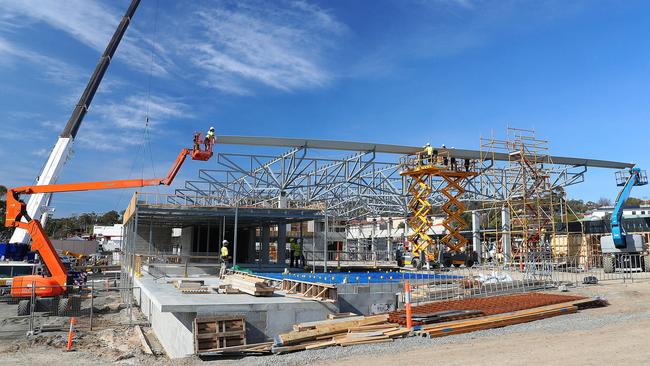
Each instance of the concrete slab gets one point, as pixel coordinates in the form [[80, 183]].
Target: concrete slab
[[171, 300], [171, 313]]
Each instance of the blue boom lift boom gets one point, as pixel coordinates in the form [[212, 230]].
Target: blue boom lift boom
[[623, 251]]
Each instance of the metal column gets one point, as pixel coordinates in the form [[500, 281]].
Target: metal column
[[264, 250], [476, 235], [505, 239], [325, 227], [282, 244], [234, 245]]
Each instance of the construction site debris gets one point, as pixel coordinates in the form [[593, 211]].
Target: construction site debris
[[145, 344]]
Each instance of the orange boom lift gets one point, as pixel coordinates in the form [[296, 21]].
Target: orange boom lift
[[55, 284]]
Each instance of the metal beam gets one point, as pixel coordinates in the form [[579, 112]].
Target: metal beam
[[405, 150]]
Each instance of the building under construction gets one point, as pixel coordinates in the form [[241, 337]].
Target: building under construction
[[378, 207], [318, 243]]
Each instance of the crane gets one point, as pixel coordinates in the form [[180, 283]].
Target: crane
[[55, 285], [59, 154], [621, 250]]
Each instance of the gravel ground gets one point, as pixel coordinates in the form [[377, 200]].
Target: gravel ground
[[625, 321]]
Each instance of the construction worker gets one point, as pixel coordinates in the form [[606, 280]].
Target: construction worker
[[295, 253], [428, 151], [224, 252], [209, 138]]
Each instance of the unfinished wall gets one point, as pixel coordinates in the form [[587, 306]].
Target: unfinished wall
[[161, 239]]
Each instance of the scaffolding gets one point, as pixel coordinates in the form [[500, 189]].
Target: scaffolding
[[523, 190]]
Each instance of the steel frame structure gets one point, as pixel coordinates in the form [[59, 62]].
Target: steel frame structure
[[353, 186], [358, 180]]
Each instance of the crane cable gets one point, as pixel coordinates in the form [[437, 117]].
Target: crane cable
[[146, 135], [147, 131]]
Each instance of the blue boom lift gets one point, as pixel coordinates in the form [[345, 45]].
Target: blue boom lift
[[623, 251]]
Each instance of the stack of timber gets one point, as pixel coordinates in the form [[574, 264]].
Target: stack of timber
[[443, 316], [225, 289], [249, 284], [341, 331], [224, 334], [502, 320]]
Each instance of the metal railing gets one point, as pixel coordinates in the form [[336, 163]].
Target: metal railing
[[492, 279], [97, 304]]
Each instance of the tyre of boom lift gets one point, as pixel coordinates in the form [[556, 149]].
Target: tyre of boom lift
[[63, 307], [447, 261], [608, 263], [24, 307], [469, 262]]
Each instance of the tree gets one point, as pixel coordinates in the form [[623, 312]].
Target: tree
[[110, 218], [633, 201], [604, 201]]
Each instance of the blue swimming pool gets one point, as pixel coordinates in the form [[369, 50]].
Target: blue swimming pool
[[354, 277]]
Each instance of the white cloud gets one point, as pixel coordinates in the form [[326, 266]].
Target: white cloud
[[90, 22], [131, 112], [43, 153], [281, 45], [54, 70]]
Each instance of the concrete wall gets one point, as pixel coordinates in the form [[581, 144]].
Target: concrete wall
[[263, 320], [186, 240], [173, 330], [161, 238], [368, 299]]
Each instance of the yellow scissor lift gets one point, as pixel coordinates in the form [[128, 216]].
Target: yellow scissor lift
[[420, 169]]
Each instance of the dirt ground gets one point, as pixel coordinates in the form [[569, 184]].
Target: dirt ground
[[615, 334]]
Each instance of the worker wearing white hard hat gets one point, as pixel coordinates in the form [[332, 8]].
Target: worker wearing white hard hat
[[209, 138], [224, 251]]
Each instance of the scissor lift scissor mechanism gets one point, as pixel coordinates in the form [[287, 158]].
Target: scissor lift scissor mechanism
[[420, 169]]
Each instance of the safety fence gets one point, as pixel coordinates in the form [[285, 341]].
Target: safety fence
[[494, 279], [95, 305]]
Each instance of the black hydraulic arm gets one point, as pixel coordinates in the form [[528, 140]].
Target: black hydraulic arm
[[81, 108]]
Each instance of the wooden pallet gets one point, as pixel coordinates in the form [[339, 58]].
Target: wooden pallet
[[214, 333]]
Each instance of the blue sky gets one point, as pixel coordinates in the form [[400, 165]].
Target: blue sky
[[403, 72]]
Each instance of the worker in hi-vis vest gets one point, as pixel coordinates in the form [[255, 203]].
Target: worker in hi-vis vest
[[224, 251], [428, 154], [295, 253], [209, 138]]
